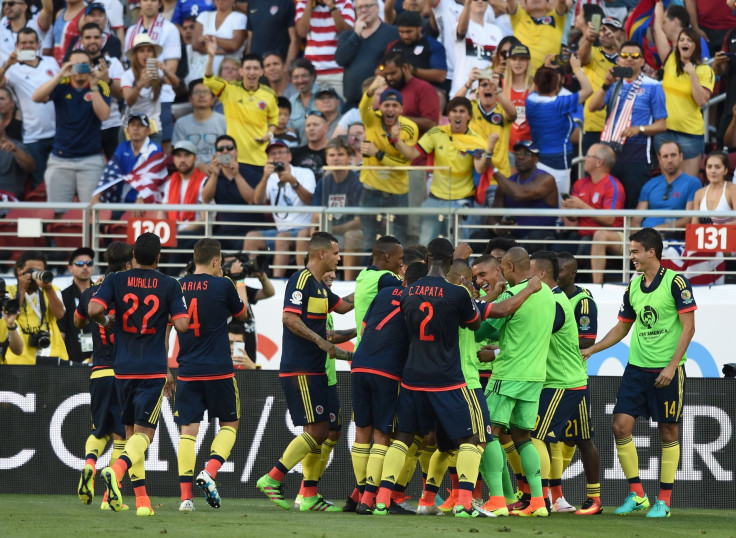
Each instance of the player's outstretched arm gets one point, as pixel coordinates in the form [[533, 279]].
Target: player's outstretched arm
[[508, 306], [614, 336], [346, 305], [295, 324]]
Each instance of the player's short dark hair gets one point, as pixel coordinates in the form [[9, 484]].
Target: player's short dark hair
[[206, 250], [384, 245], [502, 243], [415, 271], [321, 241], [549, 259], [28, 255], [546, 79], [412, 255], [565, 257], [252, 58], [236, 328], [649, 238], [395, 57], [461, 267], [147, 248], [90, 26], [117, 255], [81, 251], [485, 258], [440, 250], [28, 31]]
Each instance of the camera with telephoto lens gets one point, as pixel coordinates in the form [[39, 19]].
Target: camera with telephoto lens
[[40, 339], [7, 304], [251, 265], [278, 166], [44, 276]]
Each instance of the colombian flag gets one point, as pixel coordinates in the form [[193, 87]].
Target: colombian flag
[[637, 25]]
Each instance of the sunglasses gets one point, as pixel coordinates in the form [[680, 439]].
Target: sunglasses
[[503, 53], [667, 192], [11, 4], [223, 149], [80, 263], [632, 55]]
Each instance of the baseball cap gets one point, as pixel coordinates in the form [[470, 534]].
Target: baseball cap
[[613, 22], [392, 95], [520, 50], [140, 117], [94, 5], [327, 90], [528, 145], [276, 142], [411, 19], [186, 145]]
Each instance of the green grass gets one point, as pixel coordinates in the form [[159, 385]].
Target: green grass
[[62, 516]]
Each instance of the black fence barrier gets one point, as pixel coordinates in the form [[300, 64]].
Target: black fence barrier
[[45, 420]]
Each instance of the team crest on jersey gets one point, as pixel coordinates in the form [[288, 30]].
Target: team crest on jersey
[[596, 196], [332, 417], [418, 50], [296, 298], [319, 409], [88, 96], [648, 316], [584, 321], [49, 72], [496, 119], [686, 296], [489, 431], [273, 10], [262, 105]]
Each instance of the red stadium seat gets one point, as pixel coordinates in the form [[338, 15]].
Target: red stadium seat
[[9, 230], [72, 222]]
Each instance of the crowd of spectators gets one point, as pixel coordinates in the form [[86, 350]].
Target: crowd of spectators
[[247, 102]]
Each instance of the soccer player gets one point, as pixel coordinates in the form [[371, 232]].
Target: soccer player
[[145, 300], [519, 372], [660, 305], [307, 301], [563, 404], [584, 306], [104, 404], [206, 381]]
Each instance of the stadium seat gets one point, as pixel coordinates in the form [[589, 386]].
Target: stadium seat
[[37, 195], [9, 240], [72, 222]]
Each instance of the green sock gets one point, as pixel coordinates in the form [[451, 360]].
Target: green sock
[[491, 466], [508, 487], [531, 465]]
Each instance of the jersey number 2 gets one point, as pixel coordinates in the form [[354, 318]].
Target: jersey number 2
[[426, 307], [151, 301]]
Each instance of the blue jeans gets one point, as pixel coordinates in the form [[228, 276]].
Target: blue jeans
[[39, 150], [432, 227], [372, 228]]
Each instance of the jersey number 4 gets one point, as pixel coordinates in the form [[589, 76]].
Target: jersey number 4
[[194, 317], [151, 301]]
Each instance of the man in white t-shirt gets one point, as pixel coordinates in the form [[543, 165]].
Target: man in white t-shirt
[[39, 119], [283, 186], [16, 16]]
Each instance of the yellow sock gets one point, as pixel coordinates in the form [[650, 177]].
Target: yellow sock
[[670, 461], [312, 463], [135, 449], [410, 464], [299, 447], [568, 452], [627, 456], [95, 446], [117, 449], [438, 465], [394, 461], [426, 457], [555, 461], [593, 490], [327, 448], [137, 471], [468, 460], [375, 465], [223, 442], [513, 457], [544, 463], [360, 455], [187, 458]]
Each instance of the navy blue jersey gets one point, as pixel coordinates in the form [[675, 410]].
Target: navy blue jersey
[[385, 342], [144, 300], [204, 350], [102, 341], [434, 311], [311, 300]]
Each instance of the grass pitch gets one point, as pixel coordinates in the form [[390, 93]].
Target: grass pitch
[[61, 516]]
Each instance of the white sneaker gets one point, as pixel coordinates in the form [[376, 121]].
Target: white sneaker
[[207, 485], [432, 510], [562, 506], [298, 501], [478, 505], [406, 505], [186, 506]]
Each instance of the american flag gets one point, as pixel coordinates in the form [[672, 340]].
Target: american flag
[[146, 178], [700, 268]]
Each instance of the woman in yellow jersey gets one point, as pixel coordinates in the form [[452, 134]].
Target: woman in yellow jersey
[[687, 85]]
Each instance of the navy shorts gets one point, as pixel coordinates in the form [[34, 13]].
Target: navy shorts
[[307, 398], [105, 407], [456, 411], [375, 398], [638, 397], [333, 407], [219, 397], [485, 377], [140, 400], [445, 442], [557, 407]]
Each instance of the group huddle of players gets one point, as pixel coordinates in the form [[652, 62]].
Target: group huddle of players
[[460, 368]]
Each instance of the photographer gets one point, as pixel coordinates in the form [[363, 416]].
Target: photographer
[[40, 307], [9, 334], [283, 186]]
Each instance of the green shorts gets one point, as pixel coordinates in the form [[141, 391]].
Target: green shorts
[[514, 404]]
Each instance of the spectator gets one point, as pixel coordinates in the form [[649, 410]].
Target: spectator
[[17, 15], [352, 115], [251, 296], [356, 136], [250, 111], [190, 62], [340, 188], [425, 54], [9, 334], [550, 116], [453, 146], [81, 102], [360, 49], [111, 73], [78, 343], [230, 70], [687, 84], [227, 186], [185, 187], [241, 359], [66, 26], [303, 75], [282, 185], [474, 42], [597, 61], [327, 102], [203, 125], [274, 70], [320, 23], [429, 26], [529, 188], [666, 28], [539, 27], [40, 308], [110, 45], [40, 119], [725, 67], [109, 19], [629, 128], [13, 123], [518, 82], [137, 169], [271, 28], [166, 35], [283, 131], [16, 162], [142, 86], [390, 188], [709, 198], [598, 190], [190, 8], [227, 26], [712, 20], [312, 154]]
